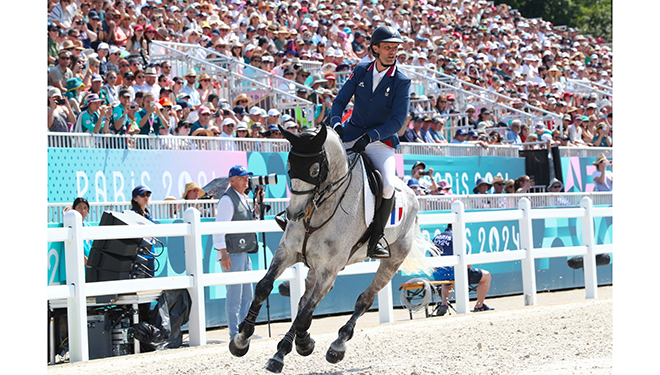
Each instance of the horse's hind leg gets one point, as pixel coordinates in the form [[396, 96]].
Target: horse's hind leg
[[385, 272], [240, 344]]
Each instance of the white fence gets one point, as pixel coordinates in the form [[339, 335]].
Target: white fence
[[77, 290], [167, 210]]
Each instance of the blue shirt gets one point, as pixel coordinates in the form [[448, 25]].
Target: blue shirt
[[445, 242]]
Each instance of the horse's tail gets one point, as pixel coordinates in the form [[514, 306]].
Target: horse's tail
[[417, 260]]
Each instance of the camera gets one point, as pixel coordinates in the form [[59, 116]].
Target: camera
[[60, 101], [425, 173], [270, 179]]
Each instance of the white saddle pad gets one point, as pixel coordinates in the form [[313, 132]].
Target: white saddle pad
[[370, 202]]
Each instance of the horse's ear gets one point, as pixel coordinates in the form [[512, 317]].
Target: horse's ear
[[319, 138], [288, 135]]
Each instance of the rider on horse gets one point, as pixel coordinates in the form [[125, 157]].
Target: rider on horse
[[382, 93]]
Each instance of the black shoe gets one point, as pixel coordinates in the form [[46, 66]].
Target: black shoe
[[482, 308], [441, 310], [281, 221], [379, 252], [376, 250]]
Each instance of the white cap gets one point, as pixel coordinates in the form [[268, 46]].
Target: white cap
[[255, 111], [228, 121], [273, 112]]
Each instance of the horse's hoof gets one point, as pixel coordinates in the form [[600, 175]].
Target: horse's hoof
[[334, 356], [236, 351], [275, 365], [305, 351]]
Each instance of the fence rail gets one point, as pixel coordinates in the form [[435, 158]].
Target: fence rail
[[174, 209], [77, 290]]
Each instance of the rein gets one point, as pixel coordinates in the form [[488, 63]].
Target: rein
[[320, 197]]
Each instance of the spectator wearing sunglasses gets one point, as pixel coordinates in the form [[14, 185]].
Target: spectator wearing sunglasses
[[204, 120]]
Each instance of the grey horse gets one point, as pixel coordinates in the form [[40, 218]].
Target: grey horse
[[327, 231]]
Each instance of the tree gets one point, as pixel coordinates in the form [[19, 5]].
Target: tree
[[593, 17]]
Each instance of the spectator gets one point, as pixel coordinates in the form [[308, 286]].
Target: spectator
[[482, 278], [436, 130], [418, 171], [92, 118], [74, 93], [192, 192], [601, 139], [498, 185], [413, 184], [60, 113], [228, 126], [543, 134], [233, 249], [424, 131], [603, 178], [469, 120], [509, 187], [190, 90], [524, 132], [495, 138], [459, 136], [482, 186], [242, 130], [60, 74], [523, 184], [484, 119], [513, 135]]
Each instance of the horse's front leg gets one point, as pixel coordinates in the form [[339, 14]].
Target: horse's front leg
[[240, 344], [284, 347]]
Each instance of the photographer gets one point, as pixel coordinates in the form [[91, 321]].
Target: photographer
[[417, 171], [322, 112], [234, 249]]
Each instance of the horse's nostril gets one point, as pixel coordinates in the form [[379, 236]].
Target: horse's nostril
[[293, 217]]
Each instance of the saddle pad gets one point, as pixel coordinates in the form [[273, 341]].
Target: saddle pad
[[370, 201]]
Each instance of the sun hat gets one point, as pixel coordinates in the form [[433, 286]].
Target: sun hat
[[193, 186]]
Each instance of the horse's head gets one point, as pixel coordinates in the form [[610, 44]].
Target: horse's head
[[312, 160]]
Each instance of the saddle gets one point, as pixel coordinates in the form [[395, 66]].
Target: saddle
[[375, 181]]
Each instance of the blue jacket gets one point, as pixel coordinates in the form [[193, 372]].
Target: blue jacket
[[380, 113]]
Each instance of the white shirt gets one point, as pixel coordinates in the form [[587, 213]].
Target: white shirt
[[378, 76], [225, 211]]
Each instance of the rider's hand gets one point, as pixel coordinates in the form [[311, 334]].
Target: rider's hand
[[361, 143], [339, 129]]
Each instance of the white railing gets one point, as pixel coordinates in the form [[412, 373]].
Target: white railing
[[166, 210], [77, 290]]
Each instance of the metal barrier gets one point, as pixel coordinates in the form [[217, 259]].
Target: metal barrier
[[76, 290], [426, 81], [235, 77], [154, 142], [174, 209]]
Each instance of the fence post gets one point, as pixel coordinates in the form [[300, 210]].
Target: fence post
[[460, 270], [588, 240], [527, 243], [386, 304], [76, 307], [296, 288], [195, 268]]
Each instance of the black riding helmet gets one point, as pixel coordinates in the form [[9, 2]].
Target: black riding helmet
[[384, 34]]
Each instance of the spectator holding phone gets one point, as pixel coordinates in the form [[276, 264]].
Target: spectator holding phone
[[322, 112], [603, 178], [523, 184], [60, 113]]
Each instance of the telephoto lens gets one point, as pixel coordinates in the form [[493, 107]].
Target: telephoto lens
[[270, 179]]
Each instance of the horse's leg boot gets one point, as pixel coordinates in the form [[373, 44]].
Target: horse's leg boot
[[376, 250]]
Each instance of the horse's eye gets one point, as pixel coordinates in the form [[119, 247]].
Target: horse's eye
[[314, 170]]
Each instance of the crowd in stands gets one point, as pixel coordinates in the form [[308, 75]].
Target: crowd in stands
[[101, 78]]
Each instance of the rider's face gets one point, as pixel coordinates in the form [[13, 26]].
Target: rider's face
[[387, 52]]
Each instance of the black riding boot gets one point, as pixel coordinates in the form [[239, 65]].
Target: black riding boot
[[376, 250]]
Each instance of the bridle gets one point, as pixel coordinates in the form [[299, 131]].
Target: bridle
[[317, 176]]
